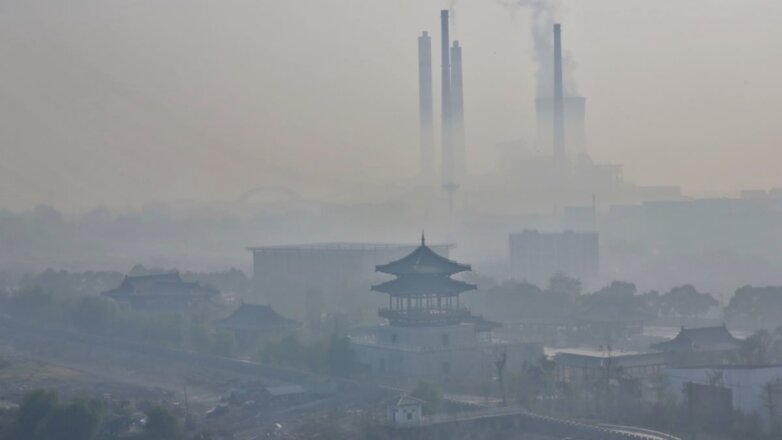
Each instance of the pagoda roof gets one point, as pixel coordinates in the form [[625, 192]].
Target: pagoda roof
[[414, 285], [423, 260]]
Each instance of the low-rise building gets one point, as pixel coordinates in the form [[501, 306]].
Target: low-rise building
[[253, 322], [754, 389], [163, 292], [701, 346]]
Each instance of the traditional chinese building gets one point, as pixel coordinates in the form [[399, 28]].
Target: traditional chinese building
[[163, 292], [429, 333]]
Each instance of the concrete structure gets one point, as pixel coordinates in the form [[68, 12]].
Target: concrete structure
[[559, 96], [753, 387], [587, 367], [425, 109], [447, 162], [574, 125], [537, 256], [457, 115], [406, 412]]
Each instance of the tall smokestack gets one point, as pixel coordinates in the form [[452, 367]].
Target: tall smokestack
[[425, 105], [457, 112], [559, 97], [447, 138]]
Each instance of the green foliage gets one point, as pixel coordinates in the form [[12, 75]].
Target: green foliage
[[34, 411], [32, 303], [78, 420], [42, 417], [430, 393], [94, 315], [161, 424], [754, 305], [685, 301], [533, 381]]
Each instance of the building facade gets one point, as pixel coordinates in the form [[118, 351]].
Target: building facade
[[429, 333]]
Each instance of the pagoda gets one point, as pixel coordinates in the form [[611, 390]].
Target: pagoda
[[423, 292]]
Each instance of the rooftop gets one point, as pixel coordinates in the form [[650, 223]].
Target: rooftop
[[700, 339], [423, 261]]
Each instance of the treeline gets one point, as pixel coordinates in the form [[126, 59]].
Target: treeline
[[511, 301], [563, 297], [103, 317], [231, 281], [43, 415]]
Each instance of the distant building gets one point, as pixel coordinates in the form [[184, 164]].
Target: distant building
[[587, 367], [701, 346], [430, 334], [304, 281], [406, 412], [163, 292], [754, 389], [537, 256], [251, 322], [575, 123]]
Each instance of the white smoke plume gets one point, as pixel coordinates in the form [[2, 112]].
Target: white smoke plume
[[543, 15]]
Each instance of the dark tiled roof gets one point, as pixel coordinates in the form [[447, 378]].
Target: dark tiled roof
[[413, 285], [168, 285], [256, 317], [700, 339], [423, 260]]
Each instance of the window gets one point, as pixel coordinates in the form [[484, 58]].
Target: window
[[409, 415], [446, 339], [394, 338]]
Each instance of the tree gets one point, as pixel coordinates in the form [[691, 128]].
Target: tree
[[755, 350], [686, 302], [564, 284], [35, 409], [161, 424], [78, 420], [339, 356], [431, 394], [755, 305], [94, 315]]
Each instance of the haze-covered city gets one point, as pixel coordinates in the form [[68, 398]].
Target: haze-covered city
[[397, 219]]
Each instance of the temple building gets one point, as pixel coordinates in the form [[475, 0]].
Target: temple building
[[429, 333], [164, 292]]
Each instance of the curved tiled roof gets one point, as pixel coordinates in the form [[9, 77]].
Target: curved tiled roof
[[423, 260]]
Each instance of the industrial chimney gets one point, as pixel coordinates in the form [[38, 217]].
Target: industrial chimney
[[425, 106], [559, 97], [447, 134], [457, 112]]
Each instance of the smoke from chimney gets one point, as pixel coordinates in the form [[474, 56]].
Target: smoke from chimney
[[542, 17]]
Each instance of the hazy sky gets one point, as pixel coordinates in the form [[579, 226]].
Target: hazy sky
[[123, 102]]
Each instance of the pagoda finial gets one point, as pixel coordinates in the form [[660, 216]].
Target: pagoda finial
[[423, 239]]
